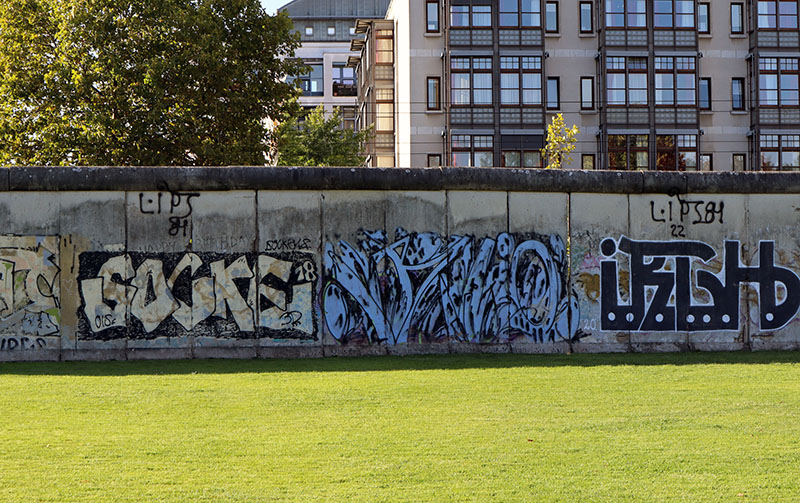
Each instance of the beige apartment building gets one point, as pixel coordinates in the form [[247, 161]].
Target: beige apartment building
[[652, 84]]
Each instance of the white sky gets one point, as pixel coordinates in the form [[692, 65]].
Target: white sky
[[271, 6]]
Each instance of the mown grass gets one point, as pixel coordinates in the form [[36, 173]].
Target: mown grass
[[686, 427]]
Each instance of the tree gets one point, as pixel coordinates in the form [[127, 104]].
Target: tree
[[560, 143], [138, 82], [318, 141]]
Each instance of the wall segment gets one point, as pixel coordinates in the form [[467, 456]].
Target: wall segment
[[272, 262]]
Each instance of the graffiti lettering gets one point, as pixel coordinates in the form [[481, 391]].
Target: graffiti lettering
[[139, 295], [21, 343], [178, 205], [687, 211], [661, 287], [426, 287], [290, 244]]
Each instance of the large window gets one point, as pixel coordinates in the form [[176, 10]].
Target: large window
[[587, 93], [520, 13], [674, 13], [472, 150], [675, 81], [703, 18], [551, 17], [480, 16], [774, 15], [737, 18], [344, 80], [585, 12], [521, 159], [778, 82], [553, 93], [384, 116], [676, 152], [384, 46], [521, 80], [780, 152], [433, 93], [471, 81], [311, 83], [628, 151], [432, 17], [626, 14], [626, 80]]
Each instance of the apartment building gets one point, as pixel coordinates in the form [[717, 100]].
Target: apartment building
[[326, 29], [652, 84]]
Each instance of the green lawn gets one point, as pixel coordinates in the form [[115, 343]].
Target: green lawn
[[687, 427]]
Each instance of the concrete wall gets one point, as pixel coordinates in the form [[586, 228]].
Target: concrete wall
[[273, 262]]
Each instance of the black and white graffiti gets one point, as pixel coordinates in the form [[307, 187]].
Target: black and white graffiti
[[139, 295], [662, 280], [29, 286], [423, 287]]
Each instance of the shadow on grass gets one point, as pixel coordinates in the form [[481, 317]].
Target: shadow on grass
[[388, 363]]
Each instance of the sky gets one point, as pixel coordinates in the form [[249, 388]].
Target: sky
[[271, 6]]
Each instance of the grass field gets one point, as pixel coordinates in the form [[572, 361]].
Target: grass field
[[686, 427]]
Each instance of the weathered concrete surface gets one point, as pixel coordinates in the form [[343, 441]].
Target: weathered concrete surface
[[594, 218]]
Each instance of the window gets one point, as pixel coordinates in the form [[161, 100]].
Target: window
[[628, 151], [673, 13], [676, 152], [434, 160], [521, 158], [705, 93], [331, 30], [778, 82], [384, 46], [739, 162], [626, 80], [311, 83], [777, 15], [551, 17], [520, 13], [348, 115], [703, 18], [432, 17], [587, 161], [626, 13], [521, 80], [481, 16], [471, 81], [586, 18], [309, 31], [352, 30], [706, 162], [553, 99], [434, 95], [675, 81], [780, 152], [737, 18], [472, 150], [737, 94], [344, 80], [587, 93]]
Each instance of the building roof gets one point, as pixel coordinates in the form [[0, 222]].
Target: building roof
[[336, 9]]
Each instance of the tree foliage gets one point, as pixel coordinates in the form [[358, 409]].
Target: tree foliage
[[138, 82], [560, 143], [318, 141]]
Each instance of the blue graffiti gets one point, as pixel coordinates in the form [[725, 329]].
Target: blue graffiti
[[425, 288]]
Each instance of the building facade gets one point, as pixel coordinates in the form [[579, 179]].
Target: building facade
[[652, 84], [326, 29]]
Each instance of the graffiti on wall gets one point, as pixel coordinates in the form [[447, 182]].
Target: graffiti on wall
[[423, 287], [29, 288], [178, 205], [663, 276], [142, 295]]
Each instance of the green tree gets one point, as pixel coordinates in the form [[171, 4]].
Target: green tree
[[560, 143], [318, 141], [141, 82]]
